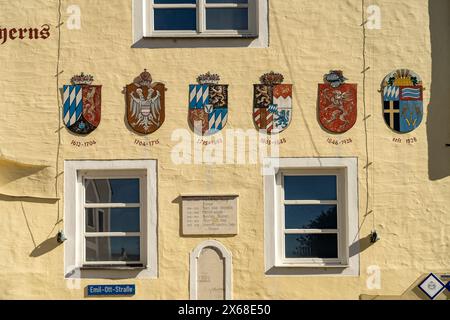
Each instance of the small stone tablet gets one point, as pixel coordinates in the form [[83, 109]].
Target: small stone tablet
[[210, 215]]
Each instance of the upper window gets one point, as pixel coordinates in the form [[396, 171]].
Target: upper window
[[311, 215], [201, 18], [110, 218]]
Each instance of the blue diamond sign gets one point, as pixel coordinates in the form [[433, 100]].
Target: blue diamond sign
[[432, 286]]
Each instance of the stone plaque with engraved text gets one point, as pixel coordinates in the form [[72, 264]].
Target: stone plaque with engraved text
[[209, 215]]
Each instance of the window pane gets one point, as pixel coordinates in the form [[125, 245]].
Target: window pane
[[113, 249], [310, 188], [311, 246], [175, 19], [226, 1], [226, 19], [112, 190], [174, 1], [112, 220], [310, 217]]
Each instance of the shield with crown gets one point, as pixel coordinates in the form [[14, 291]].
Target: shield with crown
[[82, 104], [402, 93], [208, 104], [145, 104], [272, 104], [337, 103]]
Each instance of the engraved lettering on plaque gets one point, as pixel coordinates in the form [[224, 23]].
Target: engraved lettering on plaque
[[210, 215], [211, 272], [210, 276]]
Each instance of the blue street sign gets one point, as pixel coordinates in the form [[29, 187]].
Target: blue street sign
[[111, 290]]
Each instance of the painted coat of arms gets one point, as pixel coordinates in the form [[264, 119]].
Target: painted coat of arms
[[402, 92], [272, 106], [145, 104], [208, 104], [82, 104], [337, 103]]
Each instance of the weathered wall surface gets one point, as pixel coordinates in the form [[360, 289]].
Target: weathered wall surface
[[307, 39]]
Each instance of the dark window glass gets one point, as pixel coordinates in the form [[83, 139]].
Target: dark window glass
[[101, 219], [174, 1], [112, 191], [310, 188], [310, 217], [113, 249], [90, 222], [226, 19], [226, 1], [113, 220], [311, 246], [175, 19]]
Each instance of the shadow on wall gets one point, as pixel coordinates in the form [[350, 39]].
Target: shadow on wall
[[438, 120], [45, 247]]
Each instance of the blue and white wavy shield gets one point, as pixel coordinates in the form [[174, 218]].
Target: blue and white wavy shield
[[402, 92]]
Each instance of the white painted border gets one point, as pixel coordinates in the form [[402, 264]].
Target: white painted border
[[72, 217], [143, 37], [226, 255], [271, 208]]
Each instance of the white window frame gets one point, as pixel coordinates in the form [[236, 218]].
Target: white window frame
[[75, 264], [145, 37], [148, 7], [113, 174], [341, 230], [346, 170]]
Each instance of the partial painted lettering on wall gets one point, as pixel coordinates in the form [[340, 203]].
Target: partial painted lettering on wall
[[24, 33]]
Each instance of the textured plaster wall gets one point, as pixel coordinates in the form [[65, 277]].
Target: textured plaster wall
[[307, 39]]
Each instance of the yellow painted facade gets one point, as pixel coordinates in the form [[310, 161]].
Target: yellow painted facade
[[405, 196]]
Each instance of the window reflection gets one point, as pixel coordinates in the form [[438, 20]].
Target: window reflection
[[175, 19], [113, 249], [124, 219], [112, 190], [311, 246], [310, 187], [311, 216], [227, 1], [226, 19], [112, 220], [174, 1]]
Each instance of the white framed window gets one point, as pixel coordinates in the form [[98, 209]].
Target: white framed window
[[311, 216], [312, 219], [202, 19], [114, 206], [110, 218]]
